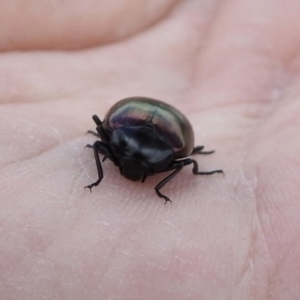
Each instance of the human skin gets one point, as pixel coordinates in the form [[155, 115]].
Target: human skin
[[233, 68]]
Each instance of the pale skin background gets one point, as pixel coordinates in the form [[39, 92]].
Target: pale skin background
[[233, 68]]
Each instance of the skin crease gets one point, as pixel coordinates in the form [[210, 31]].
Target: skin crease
[[233, 68]]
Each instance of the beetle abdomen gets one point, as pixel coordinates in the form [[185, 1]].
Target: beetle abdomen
[[167, 120]]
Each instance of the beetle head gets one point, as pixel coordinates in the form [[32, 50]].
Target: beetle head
[[132, 169], [140, 151]]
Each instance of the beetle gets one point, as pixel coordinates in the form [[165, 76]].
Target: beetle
[[144, 137]]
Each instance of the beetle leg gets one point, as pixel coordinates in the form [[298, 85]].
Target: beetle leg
[[189, 161], [198, 150], [178, 165], [177, 168], [110, 156], [100, 147], [144, 178], [93, 133], [98, 164], [104, 150]]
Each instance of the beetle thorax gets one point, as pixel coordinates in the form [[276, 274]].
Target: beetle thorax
[[140, 151]]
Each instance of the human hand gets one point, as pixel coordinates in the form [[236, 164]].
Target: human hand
[[232, 69]]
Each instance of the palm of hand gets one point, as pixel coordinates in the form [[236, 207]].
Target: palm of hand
[[222, 238]]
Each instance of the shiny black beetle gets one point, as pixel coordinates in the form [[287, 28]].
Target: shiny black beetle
[[143, 137]]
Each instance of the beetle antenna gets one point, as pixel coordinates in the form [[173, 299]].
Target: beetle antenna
[[97, 120]]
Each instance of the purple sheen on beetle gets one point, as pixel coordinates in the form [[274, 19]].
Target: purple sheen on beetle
[[167, 120]]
